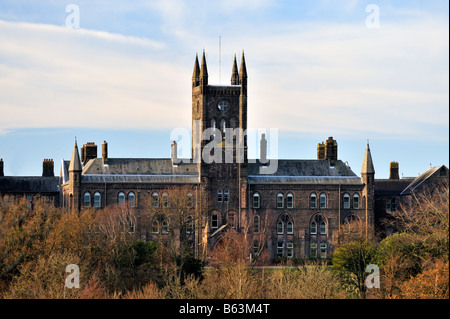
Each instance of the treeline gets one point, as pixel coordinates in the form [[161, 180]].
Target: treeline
[[37, 244]]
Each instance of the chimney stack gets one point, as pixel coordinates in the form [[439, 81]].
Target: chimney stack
[[105, 152], [174, 153], [88, 152], [1, 167], [48, 168], [327, 150], [263, 149], [393, 170]]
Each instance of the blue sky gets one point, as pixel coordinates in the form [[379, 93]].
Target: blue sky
[[315, 70]]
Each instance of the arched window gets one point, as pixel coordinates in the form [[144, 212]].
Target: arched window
[[290, 228], [190, 200], [87, 199], [356, 202], [280, 200], [164, 227], [323, 228], [219, 195], [318, 221], [346, 201], [214, 221], [97, 200], [280, 227], [131, 199], [313, 228], [290, 200], [165, 200], [121, 198], [256, 224], [155, 227], [323, 201], [155, 200], [213, 124], [232, 219], [313, 201], [256, 200]]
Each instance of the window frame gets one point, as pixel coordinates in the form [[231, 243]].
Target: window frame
[[356, 201], [323, 204], [280, 196], [99, 200], [86, 203], [120, 195], [346, 201], [313, 201], [290, 200], [256, 195]]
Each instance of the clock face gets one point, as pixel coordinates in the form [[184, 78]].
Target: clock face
[[223, 106]]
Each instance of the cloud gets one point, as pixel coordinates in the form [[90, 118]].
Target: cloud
[[306, 77], [56, 77]]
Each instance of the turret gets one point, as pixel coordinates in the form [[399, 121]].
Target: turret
[[75, 178]]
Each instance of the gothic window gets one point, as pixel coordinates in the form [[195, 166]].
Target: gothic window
[[280, 200], [256, 200], [391, 204], [87, 199], [232, 219], [214, 221], [313, 201], [313, 228], [280, 227], [223, 127], [155, 200], [290, 200], [97, 200], [346, 201], [190, 201], [323, 228], [155, 227], [219, 196], [356, 202], [165, 227], [290, 228], [323, 201], [165, 200], [121, 198], [131, 199]]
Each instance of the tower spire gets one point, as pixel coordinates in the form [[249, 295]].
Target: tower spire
[[196, 73], [234, 73], [367, 167], [243, 69], [204, 71], [75, 163]]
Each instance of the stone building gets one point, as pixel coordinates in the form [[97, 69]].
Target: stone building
[[300, 205], [292, 211]]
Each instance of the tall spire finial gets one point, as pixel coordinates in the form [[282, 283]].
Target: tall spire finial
[[204, 70], [75, 162], [367, 167], [234, 73]]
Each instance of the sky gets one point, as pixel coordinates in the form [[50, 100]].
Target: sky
[[121, 71]]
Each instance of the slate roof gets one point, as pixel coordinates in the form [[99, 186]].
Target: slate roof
[[29, 184], [427, 175], [304, 172]]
